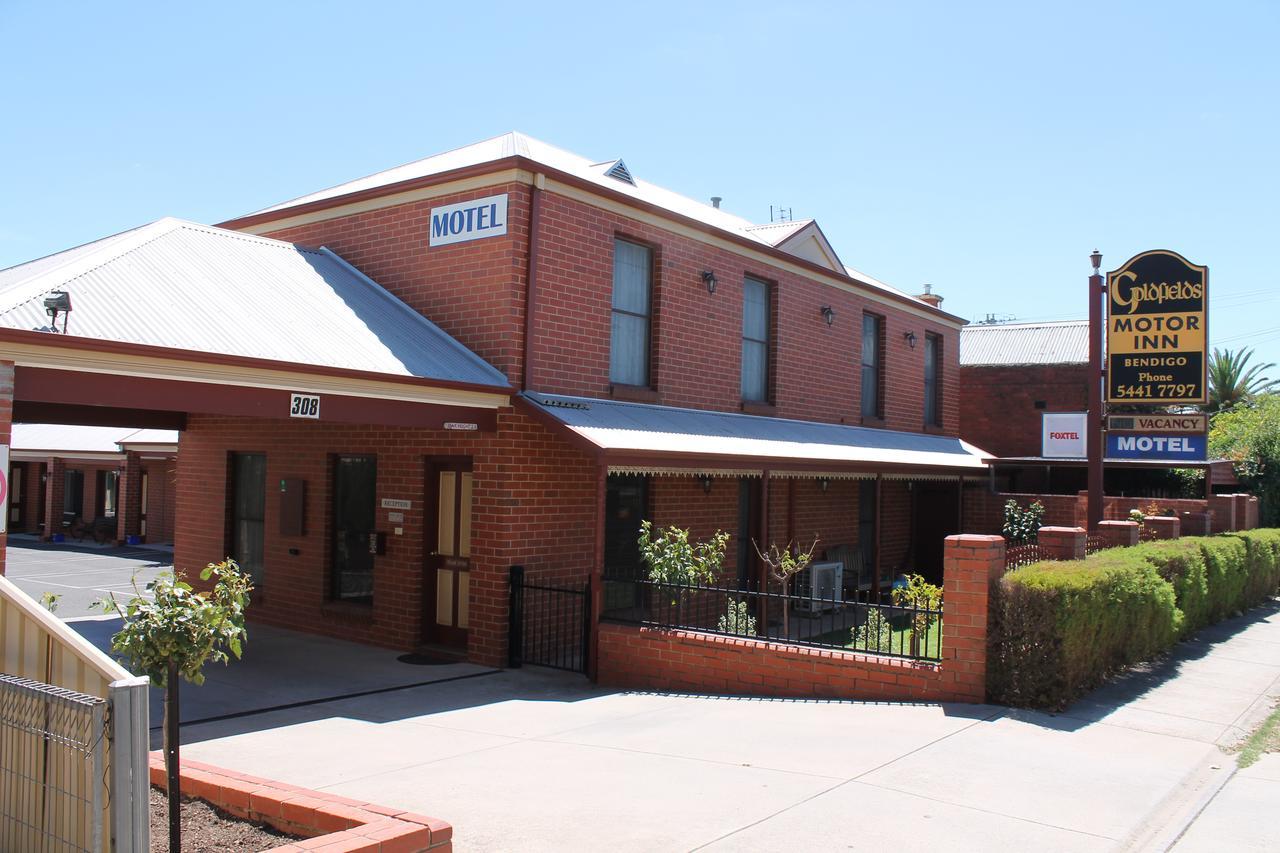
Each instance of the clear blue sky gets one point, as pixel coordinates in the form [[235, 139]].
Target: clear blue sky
[[985, 148]]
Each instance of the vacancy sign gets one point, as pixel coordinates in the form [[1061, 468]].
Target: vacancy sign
[[469, 220], [1156, 330], [1062, 435]]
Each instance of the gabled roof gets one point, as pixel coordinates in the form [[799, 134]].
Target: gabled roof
[[695, 434], [810, 243], [1007, 344], [184, 286]]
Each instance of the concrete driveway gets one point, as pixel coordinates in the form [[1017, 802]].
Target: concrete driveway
[[539, 760]]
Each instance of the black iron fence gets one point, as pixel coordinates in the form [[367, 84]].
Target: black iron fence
[[549, 625], [1017, 556], [830, 618]]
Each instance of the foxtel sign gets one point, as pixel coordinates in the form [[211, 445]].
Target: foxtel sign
[[469, 220], [1160, 448]]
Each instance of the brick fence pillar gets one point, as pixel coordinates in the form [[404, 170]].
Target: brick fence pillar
[[1242, 510], [971, 564], [1119, 534], [1223, 508], [54, 489], [1194, 523], [129, 499], [1163, 526], [1251, 515], [1062, 543]]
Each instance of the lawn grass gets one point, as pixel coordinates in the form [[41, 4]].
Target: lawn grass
[[1265, 739], [899, 640]]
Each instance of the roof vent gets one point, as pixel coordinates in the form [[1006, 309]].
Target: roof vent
[[715, 201], [619, 171]]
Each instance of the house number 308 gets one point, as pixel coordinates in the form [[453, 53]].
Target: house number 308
[[304, 406]]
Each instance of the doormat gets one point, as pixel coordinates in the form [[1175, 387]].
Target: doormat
[[419, 659]]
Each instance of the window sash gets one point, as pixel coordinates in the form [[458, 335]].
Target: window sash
[[931, 414], [631, 304], [755, 340], [870, 375], [755, 370]]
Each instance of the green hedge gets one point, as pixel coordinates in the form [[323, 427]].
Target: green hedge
[[1060, 628]]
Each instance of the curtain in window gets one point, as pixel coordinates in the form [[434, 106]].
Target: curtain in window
[[249, 512], [755, 340], [870, 366], [629, 350], [931, 380]]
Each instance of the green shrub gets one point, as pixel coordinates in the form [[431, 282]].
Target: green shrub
[[1059, 628], [737, 619], [1226, 559]]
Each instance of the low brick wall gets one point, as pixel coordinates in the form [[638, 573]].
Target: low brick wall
[[690, 661], [327, 821]]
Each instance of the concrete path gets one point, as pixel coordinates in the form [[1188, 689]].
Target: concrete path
[[1243, 815], [538, 760]]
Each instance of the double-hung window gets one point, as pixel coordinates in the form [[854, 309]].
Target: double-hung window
[[755, 340], [932, 380], [872, 370], [632, 307]]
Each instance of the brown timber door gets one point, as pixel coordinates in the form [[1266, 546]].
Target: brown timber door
[[447, 517]]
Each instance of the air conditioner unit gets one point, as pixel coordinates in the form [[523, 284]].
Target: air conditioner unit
[[820, 587]]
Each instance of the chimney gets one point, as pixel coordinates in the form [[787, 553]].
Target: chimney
[[930, 297], [715, 201]]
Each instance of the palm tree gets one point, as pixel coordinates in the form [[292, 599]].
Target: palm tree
[[1232, 380]]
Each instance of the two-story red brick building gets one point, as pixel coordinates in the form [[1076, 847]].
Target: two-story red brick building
[[665, 359]]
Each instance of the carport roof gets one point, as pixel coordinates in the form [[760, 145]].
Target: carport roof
[[70, 439], [730, 439], [184, 286]]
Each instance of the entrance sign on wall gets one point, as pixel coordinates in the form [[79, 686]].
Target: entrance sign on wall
[[304, 406], [469, 220], [1188, 447], [1062, 435], [1156, 330]]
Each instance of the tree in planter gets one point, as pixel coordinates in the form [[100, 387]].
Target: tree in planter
[[784, 564], [676, 562], [175, 634]]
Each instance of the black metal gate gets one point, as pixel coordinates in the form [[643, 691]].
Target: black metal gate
[[549, 625]]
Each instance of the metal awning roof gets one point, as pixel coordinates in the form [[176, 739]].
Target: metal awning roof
[[38, 441], [183, 286], [627, 432]]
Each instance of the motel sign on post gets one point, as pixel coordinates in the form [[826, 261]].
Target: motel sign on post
[[1189, 447]]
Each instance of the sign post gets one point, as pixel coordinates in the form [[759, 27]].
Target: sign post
[[1096, 292]]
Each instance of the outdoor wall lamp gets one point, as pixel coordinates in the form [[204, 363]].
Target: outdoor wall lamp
[[828, 314], [824, 483], [910, 338], [709, 279], [705, 480], [58, 302]]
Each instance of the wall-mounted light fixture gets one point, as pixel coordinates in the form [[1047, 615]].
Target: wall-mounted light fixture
[[1096, 260], [910, 338], [705, 480], [709, 279], [828, 314], [58, 302], [824, 483]]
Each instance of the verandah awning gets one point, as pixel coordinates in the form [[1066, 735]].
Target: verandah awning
[[641, 435]]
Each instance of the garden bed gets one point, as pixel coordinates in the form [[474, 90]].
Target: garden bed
[[206, 829]]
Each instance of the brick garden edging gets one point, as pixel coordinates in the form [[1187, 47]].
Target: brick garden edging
[[329, 822]]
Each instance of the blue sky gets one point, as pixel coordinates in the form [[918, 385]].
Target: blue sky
[[985, 148]]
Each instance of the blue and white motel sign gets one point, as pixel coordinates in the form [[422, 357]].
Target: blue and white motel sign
[[469, 220], [1187, 447]]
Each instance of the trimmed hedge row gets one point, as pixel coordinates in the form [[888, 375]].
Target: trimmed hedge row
[[1060, 628]]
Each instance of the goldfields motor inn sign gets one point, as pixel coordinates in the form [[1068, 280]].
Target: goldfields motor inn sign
[[1156, 318]]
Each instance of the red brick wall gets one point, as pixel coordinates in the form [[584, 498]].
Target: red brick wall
[[998, 407], [475, 291], [161, 498], [534, 505], [32, 497], [6, 430]]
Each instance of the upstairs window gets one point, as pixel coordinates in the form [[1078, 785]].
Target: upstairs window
[[632, 298], [932, 377], [872, 371], [755, 340]]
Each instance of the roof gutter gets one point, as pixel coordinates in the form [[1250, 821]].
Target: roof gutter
[[521, 162]]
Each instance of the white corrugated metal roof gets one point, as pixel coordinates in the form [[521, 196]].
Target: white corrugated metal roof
[[520, 144], [84, 439], [639, 427], [150, 437], [193, 287], [998, 344]]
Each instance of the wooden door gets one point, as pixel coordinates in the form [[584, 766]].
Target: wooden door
[[447, 506]]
